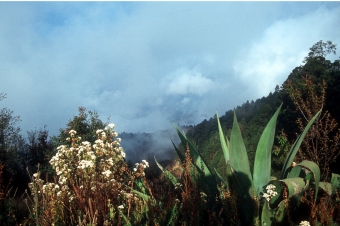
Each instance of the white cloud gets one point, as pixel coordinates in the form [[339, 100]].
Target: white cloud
[[185, 100], [184, 82], [283, 47]]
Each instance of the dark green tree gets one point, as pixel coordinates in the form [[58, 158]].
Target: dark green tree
[[12, 147], [320, 50], [86, 123], [39, 151]]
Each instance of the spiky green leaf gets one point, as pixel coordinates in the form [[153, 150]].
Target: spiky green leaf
[[179, 153], [223, 139], [295, 172], [167, 174], [326, 187], [314, 168], [239, 157], [335, 181], [273, 216], [241, 173], [296, 146], [262, 164], [194, 154]]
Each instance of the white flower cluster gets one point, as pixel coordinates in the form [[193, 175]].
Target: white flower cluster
[[141, 166], [103, 158], [270, 192], [304, 223], [84, 157]]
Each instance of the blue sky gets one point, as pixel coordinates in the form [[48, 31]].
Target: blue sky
[[147, 64]]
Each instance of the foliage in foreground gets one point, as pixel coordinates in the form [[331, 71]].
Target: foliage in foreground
[[265, 201], [94, 186]]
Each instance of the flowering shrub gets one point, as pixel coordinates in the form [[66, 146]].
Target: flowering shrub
[[93, 184]]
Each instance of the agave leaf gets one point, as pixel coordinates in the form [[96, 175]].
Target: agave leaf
[[179, 153], [174, 216], [327, 187], [296, 146], [168, 175], [220, 179], [294, 188], [335, 181], [241, 173], [295, 185], [262, 164], [127, 222], [295, 172], [223, 139], [314, 168], [289, 187], [273, 216], [194, 153], [145, 197], [208, 179], [239, 157]]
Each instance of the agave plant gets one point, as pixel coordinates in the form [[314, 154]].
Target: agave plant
[[259, 186], [263, 200]]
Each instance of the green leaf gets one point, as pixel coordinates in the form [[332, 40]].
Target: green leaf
[[294, 172], [168, 175], [314, 168], [241, 173], [179, 153], [223, 139], [173, 216], [262, 164], [145, 197], [220, 178], [200, 163], [126, 220], [272, 216], [327, 187], [239, 157], [335, 181], [205, 173], [295, 187], [296, 146]]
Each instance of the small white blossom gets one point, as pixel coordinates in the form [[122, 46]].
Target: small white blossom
[[146, 164], [123, 154], [110, 161], [121, 207], [111, 125], [304, 223], [270, 192], [72, 132], [107, 173]]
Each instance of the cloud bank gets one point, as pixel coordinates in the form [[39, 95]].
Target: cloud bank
[[146, 65]]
